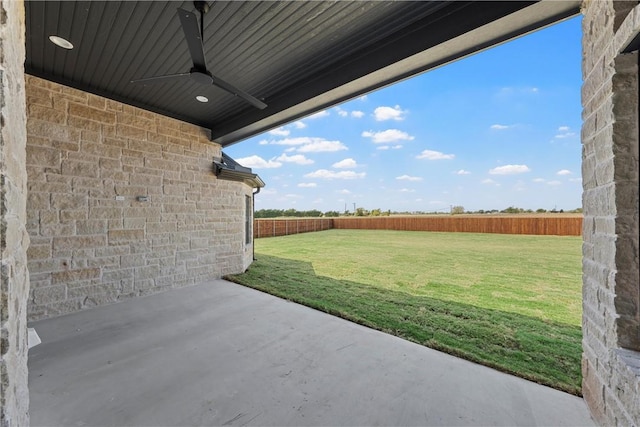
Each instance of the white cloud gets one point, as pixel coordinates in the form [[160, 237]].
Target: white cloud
[[407, 190], [554, 183], [434, 155], [575, 179], [322, 147], [509, 170], [389, 147], [298, 159], [344, 113], [387, 136], [319, 114], [307, 144], [345, 164], [489, 181], [341, 112], [389, 113], [307, 185], [278, 132], [565, 135], [299, 125], [344, 191], [539, 180], [301, 140], [463, 172], [564, 132], [408, 178], [563, 172], [500, 127], [257, 162], [327, 174]]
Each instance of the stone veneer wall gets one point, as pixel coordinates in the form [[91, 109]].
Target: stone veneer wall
[[14, 240], [611, 290], [89, 248]]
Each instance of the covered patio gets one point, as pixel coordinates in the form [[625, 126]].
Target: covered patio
[[108, 193], [222, 354]]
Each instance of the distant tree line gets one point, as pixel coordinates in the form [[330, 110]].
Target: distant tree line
[[453, 210], [277, 213]]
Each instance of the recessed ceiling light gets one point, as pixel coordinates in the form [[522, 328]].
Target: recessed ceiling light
[[59, 41], [202, 98]]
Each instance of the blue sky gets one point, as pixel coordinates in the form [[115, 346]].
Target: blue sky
[[500, 128]]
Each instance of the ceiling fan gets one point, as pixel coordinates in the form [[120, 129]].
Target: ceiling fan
[[199, 72]]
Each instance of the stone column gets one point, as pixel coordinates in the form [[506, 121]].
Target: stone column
[[14, 277], [611, 292]]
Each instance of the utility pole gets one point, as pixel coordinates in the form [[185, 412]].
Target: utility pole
[[354, 207]]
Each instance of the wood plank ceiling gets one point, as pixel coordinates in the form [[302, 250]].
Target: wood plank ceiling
[[296, 56]]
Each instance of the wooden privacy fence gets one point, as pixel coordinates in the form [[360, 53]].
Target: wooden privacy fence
[[536, 225], [542, 225], [284, 227]]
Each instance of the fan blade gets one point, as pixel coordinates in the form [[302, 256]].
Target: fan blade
[[161, 79], [237, 92], [193, 37]]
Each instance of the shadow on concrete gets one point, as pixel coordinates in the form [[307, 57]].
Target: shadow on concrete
[[542, 351]]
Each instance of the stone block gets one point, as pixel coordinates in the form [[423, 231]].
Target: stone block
[[37, 201], [101, 150], [112, 250], [52, 131], [78, 242], [90, 113], [70, 276], [147, 180], [105, 212], [92, 226], [103, 262], [50, 294], [148, 212], [120, 236], [117, 275], [69, 201], [161, 164], [161, 227], [76, 168], [84, 124], [41, 156], [39, 251], [51, 230], [134, 260], [124, 131]]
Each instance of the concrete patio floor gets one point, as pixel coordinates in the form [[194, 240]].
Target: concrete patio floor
[[222, 354]]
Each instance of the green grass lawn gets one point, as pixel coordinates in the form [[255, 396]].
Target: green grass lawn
[[511, 302]]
